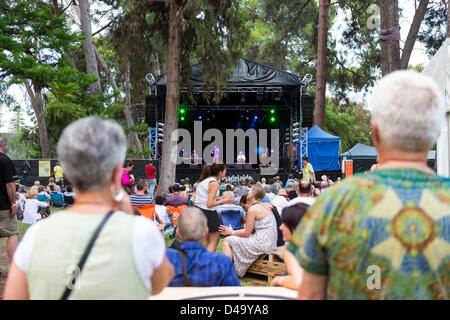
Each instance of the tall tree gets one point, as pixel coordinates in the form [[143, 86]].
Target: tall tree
[[321, 74], [447, 34], [390, 45], [413, 32], [168, 163], [88, 45]]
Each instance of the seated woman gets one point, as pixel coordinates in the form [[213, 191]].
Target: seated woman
[[127, 178], [31, 213], [41, 191], [163, 212], [243, 246], [127, 260], [291, 216]]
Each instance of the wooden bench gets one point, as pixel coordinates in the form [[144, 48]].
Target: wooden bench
[[269, 264]]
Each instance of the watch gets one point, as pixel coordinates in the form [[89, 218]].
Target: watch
[[232, 233]]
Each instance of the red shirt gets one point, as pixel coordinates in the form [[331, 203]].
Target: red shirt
[[150, 171]]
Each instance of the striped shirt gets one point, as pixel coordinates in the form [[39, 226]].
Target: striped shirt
[[141, 199]]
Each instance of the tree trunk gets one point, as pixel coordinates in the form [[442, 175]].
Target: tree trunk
[[448, 21], [154, 58], [168, 167], [38, 105], [412, 35], [390, 49], [321, 76], [88, 46], [133, 137]]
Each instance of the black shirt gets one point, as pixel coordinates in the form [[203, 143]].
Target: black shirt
[[280, 240], [7, 174]]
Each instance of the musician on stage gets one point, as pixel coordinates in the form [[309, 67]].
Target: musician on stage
[[241, 157]]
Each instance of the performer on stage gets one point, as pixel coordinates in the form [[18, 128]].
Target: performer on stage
[[215, 152], [241, 157]]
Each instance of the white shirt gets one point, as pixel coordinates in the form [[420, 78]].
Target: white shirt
[[201, 196], [161, 211], [147, 244], [307, 200], [280, 202], [30, 214], [22, 200]]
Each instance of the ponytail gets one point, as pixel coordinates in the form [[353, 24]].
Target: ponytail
[[211, 171]]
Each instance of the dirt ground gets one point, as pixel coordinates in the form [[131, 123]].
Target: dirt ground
[[4, 266]]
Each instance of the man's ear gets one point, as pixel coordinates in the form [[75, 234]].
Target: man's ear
[[177, 232]]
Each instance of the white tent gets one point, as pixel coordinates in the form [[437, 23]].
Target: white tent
[[439, 69]]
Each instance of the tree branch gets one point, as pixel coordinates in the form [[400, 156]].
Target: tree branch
[[104, 27], [412, 35]]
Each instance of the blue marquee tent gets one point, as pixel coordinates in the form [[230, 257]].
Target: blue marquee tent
[[323, 150]]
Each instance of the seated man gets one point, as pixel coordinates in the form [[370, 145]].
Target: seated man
[[200, 268], [176, 199], [141, 198]]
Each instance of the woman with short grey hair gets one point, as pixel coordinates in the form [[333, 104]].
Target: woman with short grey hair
[[127, 259]]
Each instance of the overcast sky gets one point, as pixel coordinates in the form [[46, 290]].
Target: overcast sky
[[418, 56]]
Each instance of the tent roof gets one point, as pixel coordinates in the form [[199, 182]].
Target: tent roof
[[361, 151], [246, 73], [316, 134]]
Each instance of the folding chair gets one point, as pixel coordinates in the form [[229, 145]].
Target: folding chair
[[42, 197], [176, 211], [231, 217], [147, 211], [57, 199]]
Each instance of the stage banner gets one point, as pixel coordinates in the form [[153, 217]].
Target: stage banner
[[44, 168]]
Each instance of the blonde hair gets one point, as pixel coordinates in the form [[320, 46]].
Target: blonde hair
[[259, 192], [32, 194]]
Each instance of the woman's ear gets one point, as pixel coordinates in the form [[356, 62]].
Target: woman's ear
[[117, 177]]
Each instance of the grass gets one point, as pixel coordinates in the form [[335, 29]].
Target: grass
[[253, 281]]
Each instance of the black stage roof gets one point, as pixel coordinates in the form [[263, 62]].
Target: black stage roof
[[246, 73]]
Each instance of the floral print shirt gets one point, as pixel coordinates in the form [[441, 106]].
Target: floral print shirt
[[380, 235]]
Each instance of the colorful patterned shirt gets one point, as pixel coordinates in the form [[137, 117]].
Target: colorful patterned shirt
[[380, 235]]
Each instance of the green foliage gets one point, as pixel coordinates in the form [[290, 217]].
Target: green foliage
[[351, 122], [432, 34]]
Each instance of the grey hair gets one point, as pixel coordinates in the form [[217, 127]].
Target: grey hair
[[192, 225], [2, 143], [408, 111], [268, 188], [89, 149], [274, 188]]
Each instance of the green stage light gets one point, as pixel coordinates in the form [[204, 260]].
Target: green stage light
[[272, 119], [182, 118], [182, 111], [272, 111]]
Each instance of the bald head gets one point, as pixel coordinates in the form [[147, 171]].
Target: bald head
[[304, 188]]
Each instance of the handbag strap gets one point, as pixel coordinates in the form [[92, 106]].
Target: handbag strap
[[87, 251], [186, 281]]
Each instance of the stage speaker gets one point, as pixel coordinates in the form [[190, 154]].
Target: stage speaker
[[150, 110], [307, 111]]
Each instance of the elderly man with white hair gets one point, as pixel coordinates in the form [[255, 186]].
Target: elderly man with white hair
[[384, 234]]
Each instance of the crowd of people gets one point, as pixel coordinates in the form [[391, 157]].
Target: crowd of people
[[394, 219]]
